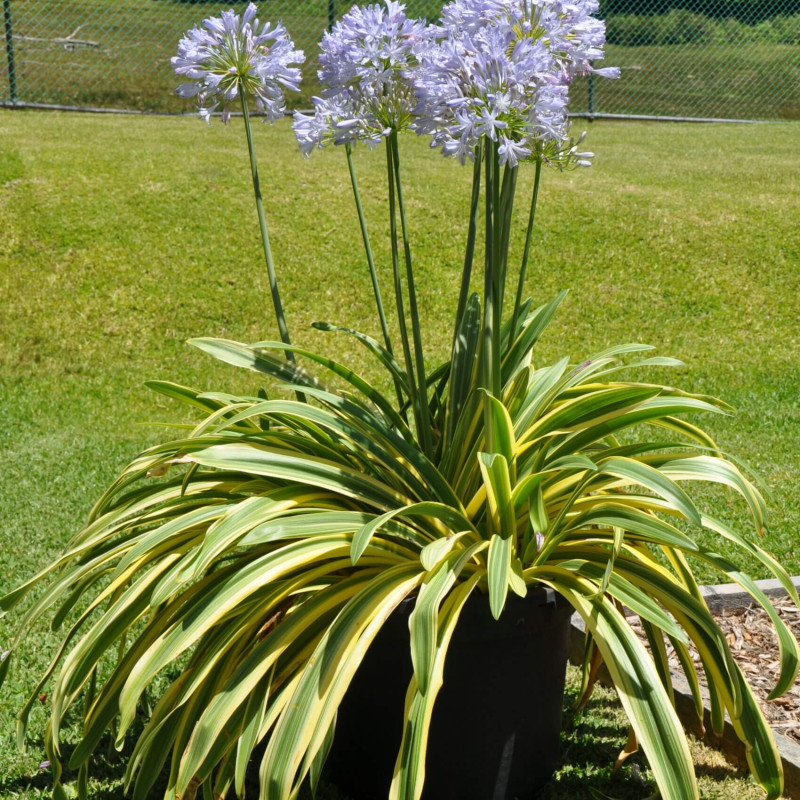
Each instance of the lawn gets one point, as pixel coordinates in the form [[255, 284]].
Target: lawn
[[121, 238], [590, 743], [126, 61], [747, 80]]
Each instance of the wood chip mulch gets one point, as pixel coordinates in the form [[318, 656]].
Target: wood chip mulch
[[754, 645]]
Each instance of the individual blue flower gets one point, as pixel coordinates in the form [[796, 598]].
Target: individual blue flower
[[231, 58], [512, 152], [501, 70], [366, 62]]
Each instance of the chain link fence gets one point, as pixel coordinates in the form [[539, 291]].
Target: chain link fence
[[726, 59]]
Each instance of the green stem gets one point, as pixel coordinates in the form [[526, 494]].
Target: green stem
[[466, 274], [497, 272], [367, 247], [262, 221], [523, 269], [373, 274], [488, 280], [451, 415], [425, 432], [506, 211], [398, 288], [487, 349]]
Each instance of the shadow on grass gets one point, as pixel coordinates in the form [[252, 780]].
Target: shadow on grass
[[719, 772], [592, 740], [590, 744], [106, 772]]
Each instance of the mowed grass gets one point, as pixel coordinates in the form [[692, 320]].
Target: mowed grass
[[747, 80], [125, 63], [122, 238], [591, 740]]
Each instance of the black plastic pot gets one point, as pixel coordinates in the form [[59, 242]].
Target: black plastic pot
[[496, 723]]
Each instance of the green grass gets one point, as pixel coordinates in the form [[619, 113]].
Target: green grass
[[748, 80], [121, 238], [590, 743], [129, 67], [592, 740]]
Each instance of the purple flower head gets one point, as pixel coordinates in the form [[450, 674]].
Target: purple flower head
[[231, 57], [366, 62], [336, 120], [501, 70]]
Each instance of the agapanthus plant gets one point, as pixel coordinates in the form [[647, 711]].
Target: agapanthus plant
[[258, 555]]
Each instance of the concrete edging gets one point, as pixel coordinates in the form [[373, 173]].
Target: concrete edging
[[718, 597], [731, 595]]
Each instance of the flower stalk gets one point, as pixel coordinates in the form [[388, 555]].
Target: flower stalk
[[472, 231], [373, 274], [408, 357], [489, 300], [262, 224], [423, 423], [376, 291], [526, 250]]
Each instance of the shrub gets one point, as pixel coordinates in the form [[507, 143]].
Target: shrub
[[747, 11], [684, 27], [680, 26], [631, 30]]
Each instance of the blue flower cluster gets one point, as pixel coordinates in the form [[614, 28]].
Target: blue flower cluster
[[367, 63], [493, 69], [229, 56], [499, 69]]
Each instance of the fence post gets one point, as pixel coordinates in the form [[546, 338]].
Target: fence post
[[591, 95], [331, 13], [12, 76]]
